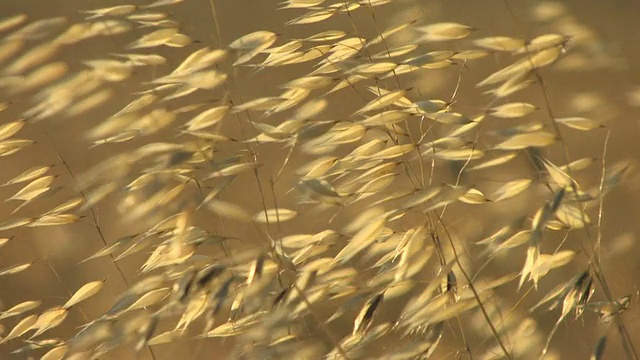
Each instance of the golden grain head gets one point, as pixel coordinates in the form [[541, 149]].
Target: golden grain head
[[309, 179]]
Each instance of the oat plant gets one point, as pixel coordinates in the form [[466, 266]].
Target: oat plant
[[308, 179]]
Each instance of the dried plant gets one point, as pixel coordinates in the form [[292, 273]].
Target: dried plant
[[367, 179]]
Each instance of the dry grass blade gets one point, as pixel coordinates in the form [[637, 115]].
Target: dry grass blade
[[153, 39], [29, 174], [274, 215], [444, 31], [33, 189], [522, 141], [86, 291], [9, 147], [150, 298], [513, 110], [361, 240], [579, 123], [49, 320], [382, 101], [15, 269], [20, 308], [501, 43], [253, 41], [54, 220], [21, 327], [510, 189], [11, 128]]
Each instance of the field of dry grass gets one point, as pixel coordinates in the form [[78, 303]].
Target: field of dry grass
[[319, 179]]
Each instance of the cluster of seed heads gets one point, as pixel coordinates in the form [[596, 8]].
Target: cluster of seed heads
[[349, 212]]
